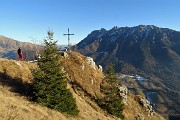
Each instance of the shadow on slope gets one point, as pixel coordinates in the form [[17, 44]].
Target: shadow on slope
[[16, 84]]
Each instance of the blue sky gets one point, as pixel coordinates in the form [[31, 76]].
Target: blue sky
[[24, 20]]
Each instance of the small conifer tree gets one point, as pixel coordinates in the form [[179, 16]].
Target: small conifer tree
[[111, 101], [50, 83]]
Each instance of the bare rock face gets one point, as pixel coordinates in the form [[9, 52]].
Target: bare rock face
[[146, 104], [123, 91], [91, 62]]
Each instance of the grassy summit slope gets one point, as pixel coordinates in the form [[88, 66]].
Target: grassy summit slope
[[84, 83]]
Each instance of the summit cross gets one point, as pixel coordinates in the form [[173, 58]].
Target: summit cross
[[68, 34]]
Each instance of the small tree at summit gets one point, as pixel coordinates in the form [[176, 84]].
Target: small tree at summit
[[50, 83]]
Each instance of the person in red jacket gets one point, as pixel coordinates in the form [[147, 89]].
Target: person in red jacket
[[20, 54]]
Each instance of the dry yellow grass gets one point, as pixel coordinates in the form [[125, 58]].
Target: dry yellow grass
[[17, 69], [88, 78], [15, 107]]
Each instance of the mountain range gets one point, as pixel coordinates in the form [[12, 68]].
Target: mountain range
[[147, 50]]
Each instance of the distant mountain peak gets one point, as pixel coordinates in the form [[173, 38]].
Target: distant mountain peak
[[103, 29], [115, 28]]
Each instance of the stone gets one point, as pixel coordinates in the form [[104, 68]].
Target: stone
[[100, 68], [123, 91], [146, 104], [82, 67], [64, 54], [91, 62]]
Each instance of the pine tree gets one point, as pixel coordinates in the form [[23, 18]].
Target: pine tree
[[111, 101], [50, 83]]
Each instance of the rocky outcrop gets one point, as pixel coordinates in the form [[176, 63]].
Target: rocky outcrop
[[91, 62], [123, 91], [146, 104]]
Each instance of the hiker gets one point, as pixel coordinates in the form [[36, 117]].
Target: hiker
[[20, 54]]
